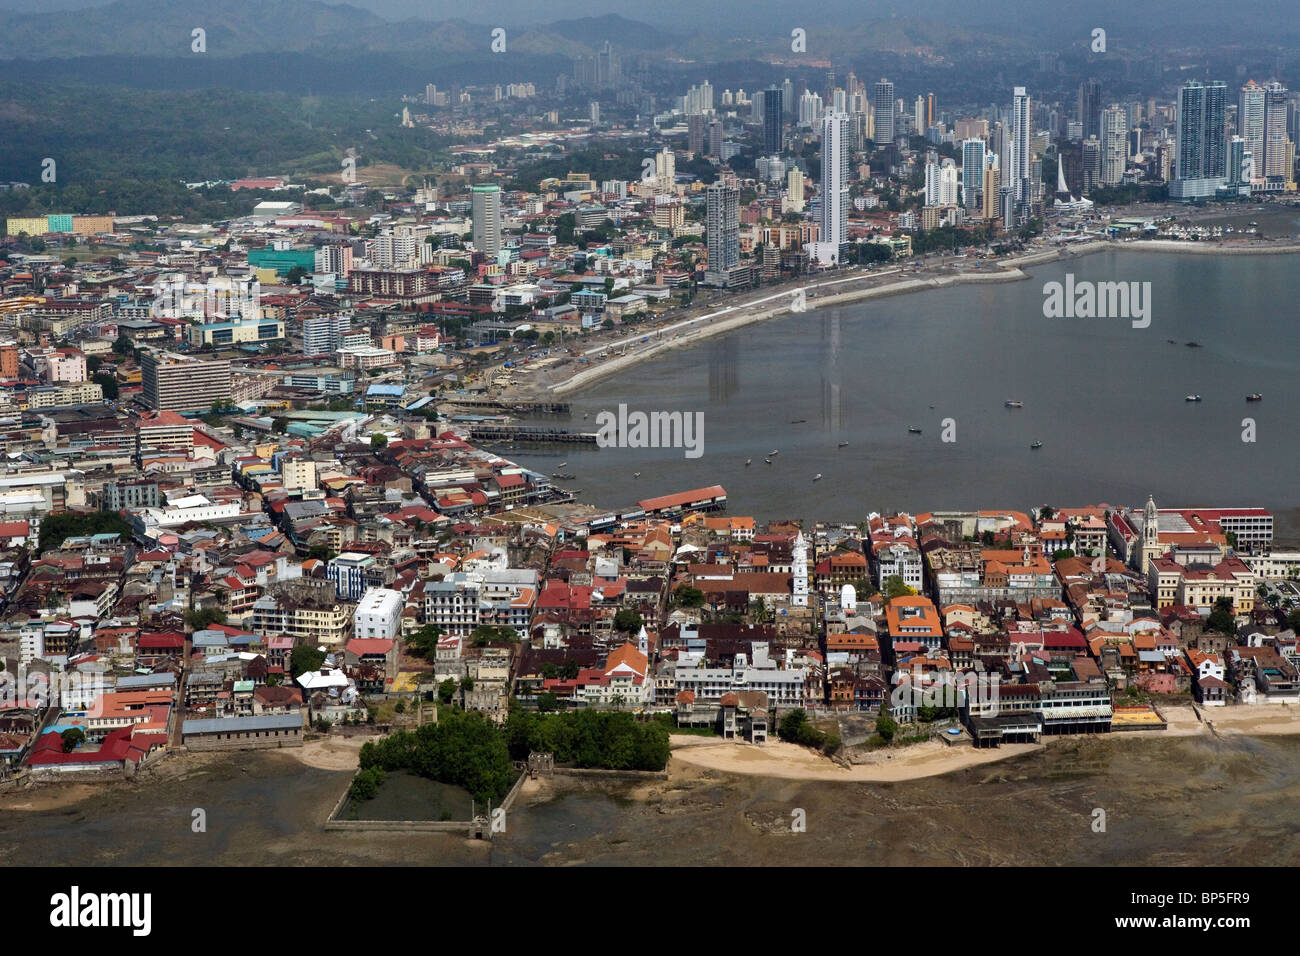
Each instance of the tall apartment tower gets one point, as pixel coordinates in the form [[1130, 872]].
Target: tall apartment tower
[[486, 212], [773, 120], [1114, 144], [973, 152], [1090, 108], [1018, 172], [883, 100], [835, 179], [722, 230], [1250, 119], [180, 383], [1202, 159], [1275, 137]]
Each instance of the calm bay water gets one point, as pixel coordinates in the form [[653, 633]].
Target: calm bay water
[[1106, 400]]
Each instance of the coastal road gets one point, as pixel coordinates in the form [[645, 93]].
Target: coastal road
[[709, 317]]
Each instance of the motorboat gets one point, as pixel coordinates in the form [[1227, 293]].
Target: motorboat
[[1036, 444], [748, 462], [1254, 397], [817, 477], [1010, 404], [844, 444], [913, 429], [1192, 398]]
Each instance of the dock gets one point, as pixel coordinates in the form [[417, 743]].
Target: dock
[[519, 408], [536, 434]]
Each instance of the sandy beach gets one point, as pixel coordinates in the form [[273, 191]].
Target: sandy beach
[[792, 762], [1009, 270]]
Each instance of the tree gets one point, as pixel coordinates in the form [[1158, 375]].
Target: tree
[[895, 587], [446, 691], [280, 424], [687, 596], [424, 642], [886, 727], [1293, 619], [303, 659], [200, 618], [296, 275], [378, 440], [73, 738], [1222, 618], [366, 784], [123, 345], [627, 621], [547, 702], [108, 382]]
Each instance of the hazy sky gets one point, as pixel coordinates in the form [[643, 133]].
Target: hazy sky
[[1265, 20]]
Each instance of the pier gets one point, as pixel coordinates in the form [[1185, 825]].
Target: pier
[[519, 408], [537, 434]]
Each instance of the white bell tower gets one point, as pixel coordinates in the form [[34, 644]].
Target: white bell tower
[[800, 597]]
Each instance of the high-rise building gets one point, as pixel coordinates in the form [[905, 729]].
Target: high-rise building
[[973, 152], [941, 183], [931, 110], [1251, 108], [722, 230], [773, 121], [715, 138], [1275, 135], [323, 334], [833, 196], [1114, 144], [486, 213], [1201, 166], [1091, 163], [1090, 108], [918, 115], [883, 100], [992, 188], [594, 112], [181, 383], [1018, 166], [696, 130], [810, 108]]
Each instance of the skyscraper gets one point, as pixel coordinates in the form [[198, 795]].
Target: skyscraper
[[486, 213], [1202, 162], [1114, 144], [884, 104], [696, 129], [833, 195], [1018, 166], [1091, 163], [1275, 137], [722, 230], [1090, 108], [972, 170], [931, 110], [1250, 119], [941, 183], [773, 120]]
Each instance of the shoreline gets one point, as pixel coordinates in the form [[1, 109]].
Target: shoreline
[[1011, 271], [785, 761]]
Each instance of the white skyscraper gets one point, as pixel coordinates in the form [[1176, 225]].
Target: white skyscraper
[[1250, 117], [1017, 171], [1114, 144], [941, 183], [486, 212], [834, 193], [884, 104]]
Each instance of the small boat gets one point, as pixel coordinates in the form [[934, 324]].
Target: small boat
[[1036, 444], [563, 476], [913, 429], [1010, 404], [767, 461], [798, 421], [774, 452], [1193, 345], [748, 462], [1192, 398], [1171, 341], [1254, 397], [636, 474], [561, 464], [844, 444], [817, 477]]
